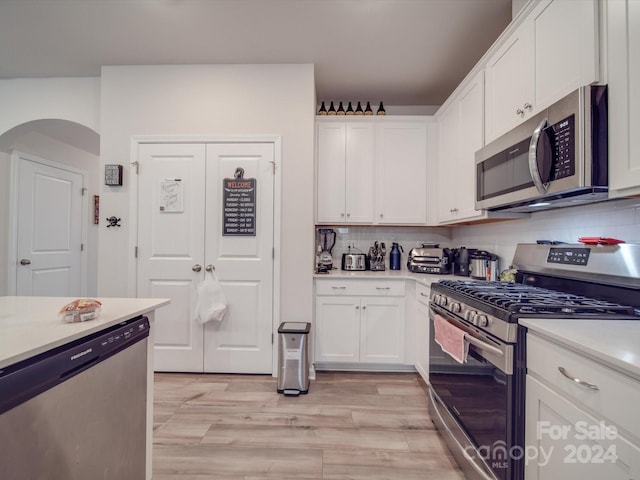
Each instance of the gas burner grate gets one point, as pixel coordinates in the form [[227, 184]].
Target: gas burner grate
[[527, 299]]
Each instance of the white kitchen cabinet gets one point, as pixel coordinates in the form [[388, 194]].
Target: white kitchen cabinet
[[623, 18], [460, 134], [371, 170], [360, 322], [345, 170], [578, 432], [421, 329], [552, 52], [401, 172]]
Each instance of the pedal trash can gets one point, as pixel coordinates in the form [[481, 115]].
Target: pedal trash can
[[293, 358]]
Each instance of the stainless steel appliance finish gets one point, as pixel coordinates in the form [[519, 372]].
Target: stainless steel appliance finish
[[354, 261], [429, 258], [78, 411], [326, 241], [557, 158], [293, 358], [479, 405]]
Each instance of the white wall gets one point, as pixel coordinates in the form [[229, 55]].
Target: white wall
[[25, 100], [213, 100], [617, 219]]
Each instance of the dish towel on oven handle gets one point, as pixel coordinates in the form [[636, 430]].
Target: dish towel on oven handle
[[212, 302], [451, 339]]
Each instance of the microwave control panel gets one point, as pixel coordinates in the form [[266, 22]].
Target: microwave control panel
[[564, 141]]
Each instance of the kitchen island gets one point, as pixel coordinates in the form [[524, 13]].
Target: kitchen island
[[29, 326]]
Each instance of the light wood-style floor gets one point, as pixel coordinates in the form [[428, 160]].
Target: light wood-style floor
[[369, 426]]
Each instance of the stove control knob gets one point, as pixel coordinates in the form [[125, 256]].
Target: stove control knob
[[455, 307], [443, 301], [470, 315], [481, 321]]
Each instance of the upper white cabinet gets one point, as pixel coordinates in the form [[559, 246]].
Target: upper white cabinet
[[401, 172], [345, 166], [623, 17], [551, 53], [460, 134], [371, 170]]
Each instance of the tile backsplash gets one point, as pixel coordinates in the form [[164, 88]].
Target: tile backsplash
[[618, 219]]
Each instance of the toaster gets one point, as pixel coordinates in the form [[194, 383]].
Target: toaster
[[355, 262]]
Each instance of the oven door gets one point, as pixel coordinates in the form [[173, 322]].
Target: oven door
[[475, 402]]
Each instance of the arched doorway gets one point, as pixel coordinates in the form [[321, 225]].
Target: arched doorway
[[60, 143]]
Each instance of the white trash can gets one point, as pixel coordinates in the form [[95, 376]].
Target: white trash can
[[293, 358]]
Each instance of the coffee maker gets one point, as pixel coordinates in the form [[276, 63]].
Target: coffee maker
[[326, 241], [461, 261]]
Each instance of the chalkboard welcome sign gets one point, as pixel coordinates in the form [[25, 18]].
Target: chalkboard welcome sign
[[239, 205]]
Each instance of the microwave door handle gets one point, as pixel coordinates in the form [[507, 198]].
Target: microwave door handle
[[533, 158]]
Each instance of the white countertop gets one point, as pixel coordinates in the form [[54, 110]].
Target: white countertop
[[30, 325], [615, 342], [424, 278]]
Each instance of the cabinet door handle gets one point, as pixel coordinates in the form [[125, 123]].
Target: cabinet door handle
[[519, 112], [383, 288], [338, 288], [528, 106], [357, 307], [364, 307], [348, 215], [424, 294], [590, 386]]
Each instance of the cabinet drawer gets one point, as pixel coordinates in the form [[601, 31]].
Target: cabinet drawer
[[422, 293], [616, 398], [360, 287]]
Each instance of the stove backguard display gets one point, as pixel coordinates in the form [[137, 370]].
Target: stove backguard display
[[569, 256]]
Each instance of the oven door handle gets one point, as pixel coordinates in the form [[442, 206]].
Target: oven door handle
[[480, 344]]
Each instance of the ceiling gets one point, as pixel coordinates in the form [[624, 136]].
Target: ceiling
[[402, 52]]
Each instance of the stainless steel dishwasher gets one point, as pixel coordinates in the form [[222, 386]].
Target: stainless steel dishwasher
[[78, 411]]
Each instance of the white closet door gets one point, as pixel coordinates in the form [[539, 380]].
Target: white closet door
[[171, 218], [242, 342]]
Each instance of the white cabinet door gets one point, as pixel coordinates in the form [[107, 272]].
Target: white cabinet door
[[359, 184], [624, 97], [382, 330], [556, 431], [401, 171], [509, 88], [470, 140], [553, 52], [566, 48], [460, 136], [421, 328], [330, 172], [337, 329]]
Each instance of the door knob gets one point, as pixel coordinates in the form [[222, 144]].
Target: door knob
[[209, 268], [25, 261], [196, 268]]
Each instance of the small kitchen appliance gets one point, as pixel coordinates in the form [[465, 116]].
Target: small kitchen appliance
[[376, 257], [429, 258], [554, 282], [326, 242], [354, 261], [483, 265], [461, 260]]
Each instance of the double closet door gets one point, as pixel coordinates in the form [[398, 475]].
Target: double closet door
[[182, 235]]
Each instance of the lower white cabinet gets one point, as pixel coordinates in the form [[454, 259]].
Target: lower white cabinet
[[367, 327], [574, 431], [421, 330]]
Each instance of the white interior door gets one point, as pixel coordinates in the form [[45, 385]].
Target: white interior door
[[171, 217], [49, 229], [242, 342]]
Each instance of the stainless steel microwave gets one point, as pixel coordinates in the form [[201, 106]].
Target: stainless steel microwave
[[557, 158]]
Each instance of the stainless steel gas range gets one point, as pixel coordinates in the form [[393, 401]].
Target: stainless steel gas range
[[477, 402]]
